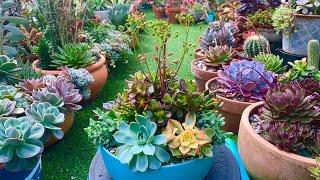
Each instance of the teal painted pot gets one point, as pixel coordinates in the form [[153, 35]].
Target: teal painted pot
[[191, 170]]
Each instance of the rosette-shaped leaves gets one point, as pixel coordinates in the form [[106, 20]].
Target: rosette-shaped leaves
[[289, 103], [66, 90], [141, 148], [8, 108], [9, 92], [20, 143], [247, 79], [29, 85], [187, 141], [49, 116], [219, 55], [44, 95], [290, 119]]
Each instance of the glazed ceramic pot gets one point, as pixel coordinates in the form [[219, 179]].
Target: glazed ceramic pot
[[65, 127], [33, 174], [201, 76], [306, 28], [171, 13], [263, 160], [231, 110], [271, 35], [190, 170], [98, 71], [103, 15]]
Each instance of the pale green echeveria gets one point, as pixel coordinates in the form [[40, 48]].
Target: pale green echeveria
[[44, 95], [141, 148], [20, 145], [12, 93], [8, 108], [47, 115]]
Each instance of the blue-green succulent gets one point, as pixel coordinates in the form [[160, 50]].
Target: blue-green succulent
[[47, 115], [20, 144], [141, 148]]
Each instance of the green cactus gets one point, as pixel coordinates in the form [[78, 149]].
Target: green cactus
[[314, 53], [255, 45]]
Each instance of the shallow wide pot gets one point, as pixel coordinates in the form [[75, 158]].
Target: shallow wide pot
[[191, 170], [231, 110], [201, 77], [263, 160], [98, 71], [171, 13], [306, 28], [103, 15], [35, 173], [65, 127]]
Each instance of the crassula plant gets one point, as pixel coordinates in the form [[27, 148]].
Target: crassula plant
[[245, 80], [290, 119]]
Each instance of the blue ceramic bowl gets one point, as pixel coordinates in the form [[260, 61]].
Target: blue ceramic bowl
[[192, 170], [34, 174]]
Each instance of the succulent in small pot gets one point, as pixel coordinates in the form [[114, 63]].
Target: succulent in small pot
[[255, 45], [240, 84], [20, 147], [205, 69]]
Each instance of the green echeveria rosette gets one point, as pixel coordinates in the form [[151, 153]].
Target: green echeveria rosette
[[49, 116], [20, 145], [141, 148]]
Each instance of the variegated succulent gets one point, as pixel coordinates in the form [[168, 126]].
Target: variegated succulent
[[185, 140], [8, 108], [219, 55]]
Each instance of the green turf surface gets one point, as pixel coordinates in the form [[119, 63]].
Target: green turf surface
[[71, 157]]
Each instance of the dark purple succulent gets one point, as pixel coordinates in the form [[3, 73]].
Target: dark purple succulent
[[289, 117], [252, 6], [247, 79]]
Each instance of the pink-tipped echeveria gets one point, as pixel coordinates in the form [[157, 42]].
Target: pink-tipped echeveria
[[245, 79]]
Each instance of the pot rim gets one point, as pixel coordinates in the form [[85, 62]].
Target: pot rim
[[197, 69], [306, 15], [245, 121], [227, 99], [164, 167], [91, 68]]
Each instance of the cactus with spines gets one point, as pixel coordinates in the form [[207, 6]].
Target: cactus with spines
[[255, 45], [314, 53]]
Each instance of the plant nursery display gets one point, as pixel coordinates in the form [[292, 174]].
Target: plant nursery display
[[170, 109], [160, 121]]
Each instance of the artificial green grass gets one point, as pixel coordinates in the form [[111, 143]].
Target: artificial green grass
[[71, 157]]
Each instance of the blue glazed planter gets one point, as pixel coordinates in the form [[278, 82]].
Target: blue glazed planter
[[192, 170], [210, 17], [34, 174], [306, 27]]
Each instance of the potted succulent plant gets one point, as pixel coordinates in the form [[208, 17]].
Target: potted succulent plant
[[278, 138], [20, 148], [262, 21], [173, 8], [100, 8], [61, 44], [58, 97], [239, 85], [298, 22], [160, 126], [206, 68], [217, 33]]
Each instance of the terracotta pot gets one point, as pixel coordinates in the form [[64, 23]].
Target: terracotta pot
[[65, 126], [158, 11], [98, 70], [171, 13], [263, 160], [231, 110], [198, 53], [201, 77]]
